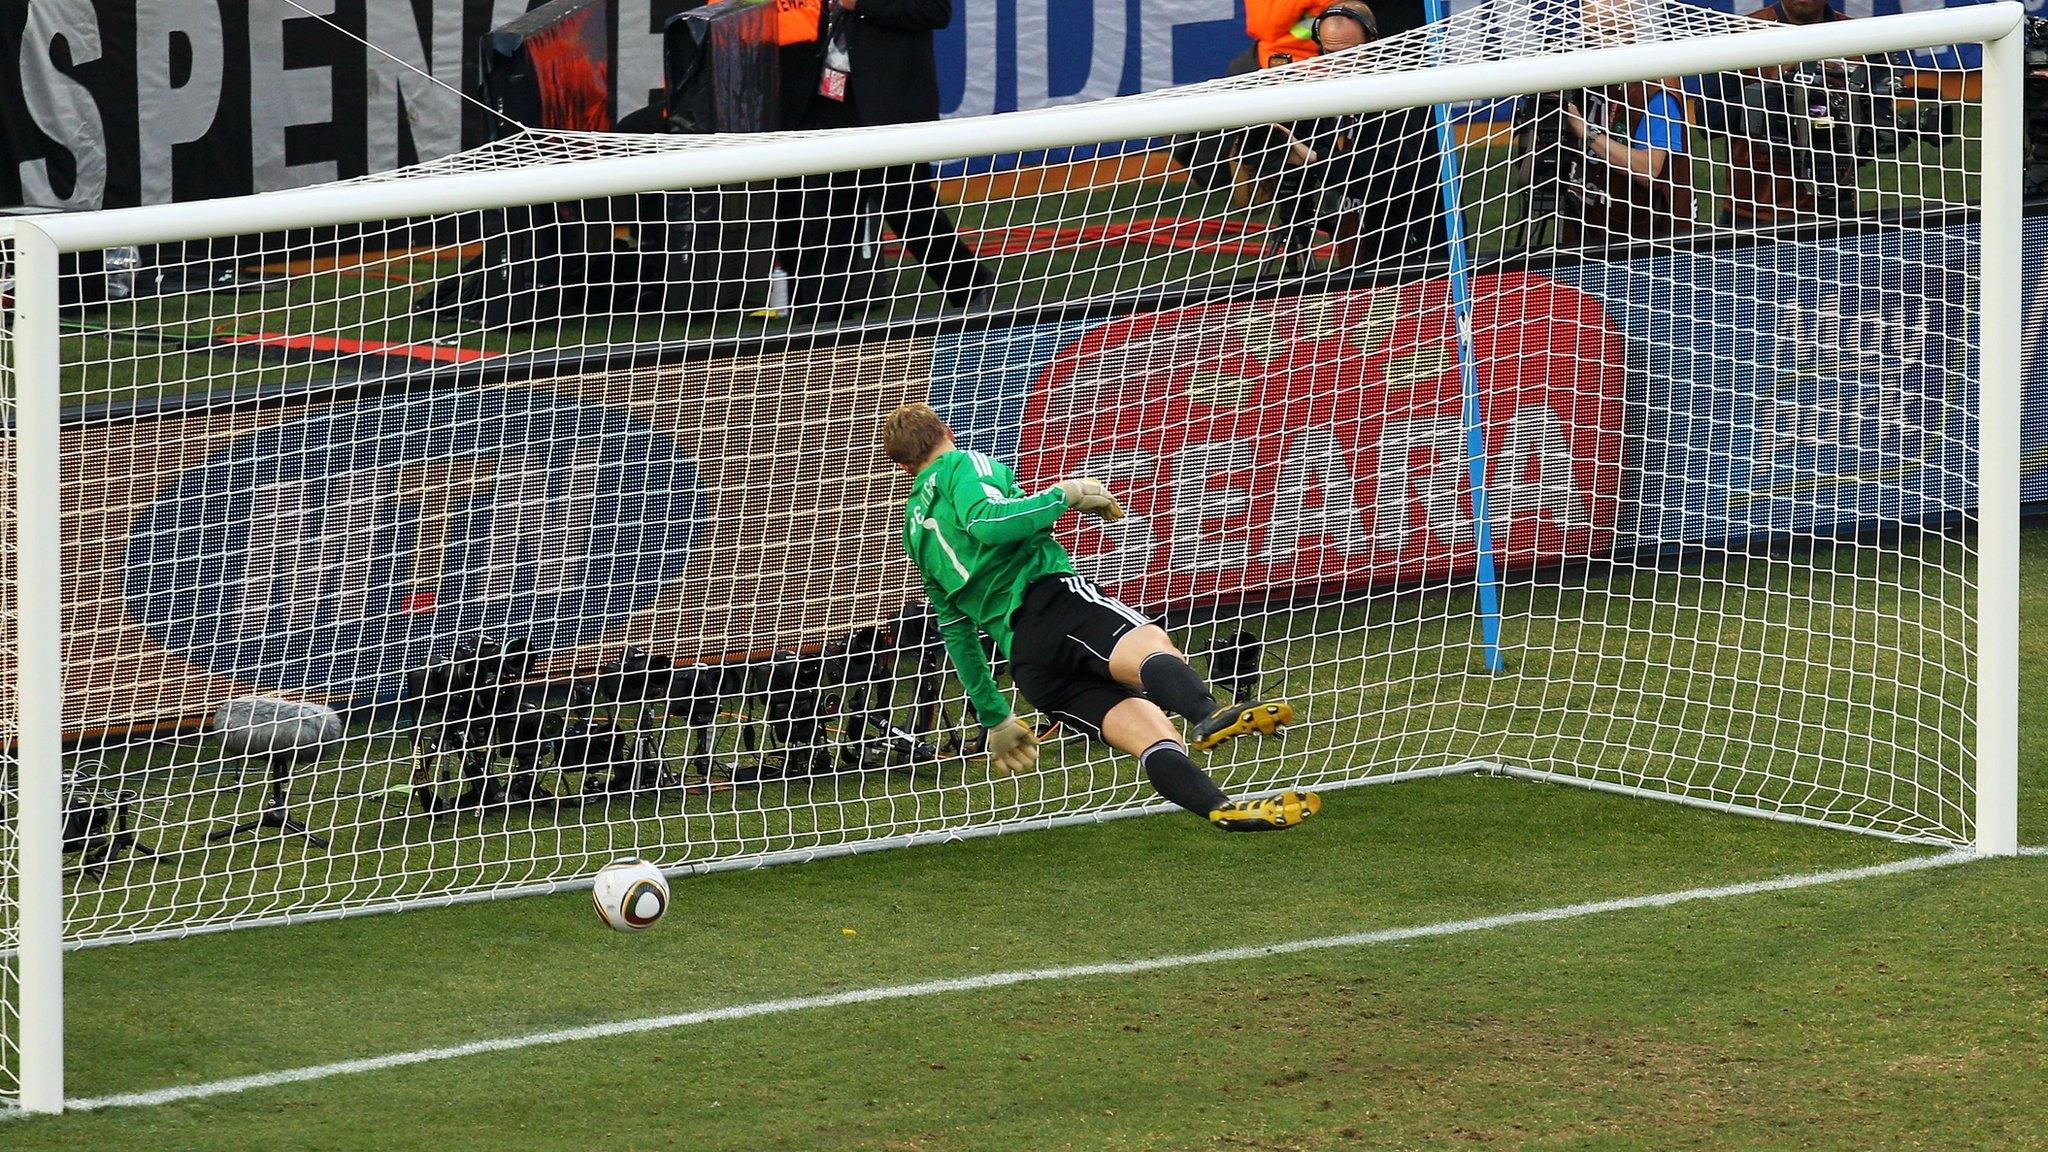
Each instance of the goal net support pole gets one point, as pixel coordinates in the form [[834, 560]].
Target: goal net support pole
[[1468, 370]]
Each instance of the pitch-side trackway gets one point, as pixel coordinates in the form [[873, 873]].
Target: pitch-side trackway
[[1001, 980]]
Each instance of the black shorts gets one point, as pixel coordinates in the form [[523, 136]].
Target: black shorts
[[1064, 632]]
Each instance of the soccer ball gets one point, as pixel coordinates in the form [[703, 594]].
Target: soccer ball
[[629, 894]]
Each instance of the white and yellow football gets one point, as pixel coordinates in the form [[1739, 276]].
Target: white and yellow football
[[630, 894]]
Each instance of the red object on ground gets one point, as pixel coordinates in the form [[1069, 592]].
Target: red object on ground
[[346, 347], [1175, 233]]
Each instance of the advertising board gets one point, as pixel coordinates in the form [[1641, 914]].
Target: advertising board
[[1275, 447]]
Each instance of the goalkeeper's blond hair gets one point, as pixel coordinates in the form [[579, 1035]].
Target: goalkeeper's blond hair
[[912, 433]]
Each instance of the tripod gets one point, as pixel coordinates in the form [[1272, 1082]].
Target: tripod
[[98, 823], [102, 849], [275, 812]]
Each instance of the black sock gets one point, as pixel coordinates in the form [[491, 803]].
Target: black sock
[[1173, 685], [1176, 778]]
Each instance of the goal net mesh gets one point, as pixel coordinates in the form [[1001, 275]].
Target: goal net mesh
[[489, 546], [10, 719]]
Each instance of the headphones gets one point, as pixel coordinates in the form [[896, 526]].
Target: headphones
[[1353, 11]]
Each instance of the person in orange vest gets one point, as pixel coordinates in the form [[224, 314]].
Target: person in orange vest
[[867, 63], [1281, 28], [796, 34], [796, 21]]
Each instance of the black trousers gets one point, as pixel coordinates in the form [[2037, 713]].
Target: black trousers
[[825, 243]]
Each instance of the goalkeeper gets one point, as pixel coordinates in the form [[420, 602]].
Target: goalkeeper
[[990, 564]]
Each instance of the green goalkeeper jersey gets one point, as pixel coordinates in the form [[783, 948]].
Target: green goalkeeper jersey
[[979, 541]]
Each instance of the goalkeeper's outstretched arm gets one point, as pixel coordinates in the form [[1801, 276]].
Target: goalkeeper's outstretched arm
[[991, 515], [970, 659], [1011, 746]]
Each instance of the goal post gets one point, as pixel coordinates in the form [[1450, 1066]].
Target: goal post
[[35, 561], [467, 462], [1998, 448]]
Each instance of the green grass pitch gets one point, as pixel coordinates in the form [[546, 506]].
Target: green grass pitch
[[1900, 1011]]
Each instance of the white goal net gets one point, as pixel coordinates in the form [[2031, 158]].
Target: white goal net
[[1587, 393]]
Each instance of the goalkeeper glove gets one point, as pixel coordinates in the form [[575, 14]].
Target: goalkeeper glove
[[1012, 748], [1090, 497]]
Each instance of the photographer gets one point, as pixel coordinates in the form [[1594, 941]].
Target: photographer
[[1369, 180], [1798, 12], [1799, 135], [871, 62], [1611, 164], [1771, 174]]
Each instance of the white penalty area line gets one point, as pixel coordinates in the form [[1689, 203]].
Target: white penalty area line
[[1002, 980]]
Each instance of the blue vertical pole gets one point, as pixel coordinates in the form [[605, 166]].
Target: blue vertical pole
[[1468, 372]]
